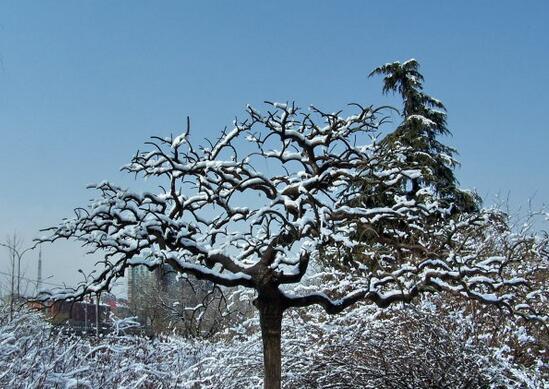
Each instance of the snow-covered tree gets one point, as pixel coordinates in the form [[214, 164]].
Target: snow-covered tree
[[423, 122], [270, 196]]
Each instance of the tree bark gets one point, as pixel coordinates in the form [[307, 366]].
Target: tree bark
[[270, 318]]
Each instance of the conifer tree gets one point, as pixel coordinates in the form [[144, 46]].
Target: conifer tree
[[426, 167], [424, 120]]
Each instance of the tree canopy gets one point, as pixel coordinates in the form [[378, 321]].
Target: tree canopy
[[271, 195], [424, 120]]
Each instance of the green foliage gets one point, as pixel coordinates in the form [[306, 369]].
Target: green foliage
[[412, 164], [424, 119]]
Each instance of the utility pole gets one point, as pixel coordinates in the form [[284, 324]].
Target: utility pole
[[12, 286], [39, 272], [19, 255], [85, 304], [97, 315], [13, 244], [18, 276]]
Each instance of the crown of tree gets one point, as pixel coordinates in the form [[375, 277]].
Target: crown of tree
[[424, 120]]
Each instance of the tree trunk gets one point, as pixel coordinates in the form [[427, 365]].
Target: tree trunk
[[270, 318]]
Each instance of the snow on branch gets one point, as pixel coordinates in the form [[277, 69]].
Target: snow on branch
[[280, 189]]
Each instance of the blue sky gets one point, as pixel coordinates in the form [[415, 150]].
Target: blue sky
[[83, 84]]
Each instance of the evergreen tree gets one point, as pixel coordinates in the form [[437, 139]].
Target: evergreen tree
[[424, 119], [413, 164]]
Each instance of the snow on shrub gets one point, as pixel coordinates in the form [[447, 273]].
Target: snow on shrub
[[417, 347], [34, 355], [414, 346]]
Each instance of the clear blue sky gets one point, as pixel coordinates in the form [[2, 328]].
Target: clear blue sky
[[83, 84]]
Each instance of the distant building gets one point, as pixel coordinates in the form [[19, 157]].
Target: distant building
[[109, 299], [142, 281], [162, 300], [137, 277], [80, 316]]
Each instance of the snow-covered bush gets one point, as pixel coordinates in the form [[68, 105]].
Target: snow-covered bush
[[412, 346], [34, 355]]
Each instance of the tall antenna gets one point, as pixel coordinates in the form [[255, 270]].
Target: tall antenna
[[39, 275]]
